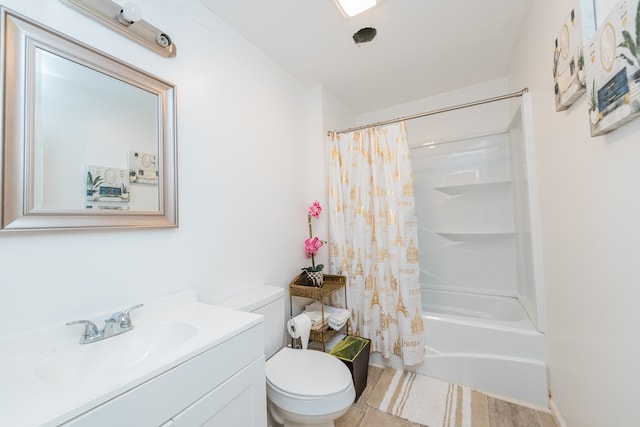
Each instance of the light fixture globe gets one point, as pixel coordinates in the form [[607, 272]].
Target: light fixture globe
[[129, 14]]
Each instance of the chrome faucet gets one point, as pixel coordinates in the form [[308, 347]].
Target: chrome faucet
[[118, 323]]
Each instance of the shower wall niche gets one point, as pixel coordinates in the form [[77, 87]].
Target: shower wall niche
[[473, 203]]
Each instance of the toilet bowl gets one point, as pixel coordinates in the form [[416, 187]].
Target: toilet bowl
[[304, 387], [307, 387]]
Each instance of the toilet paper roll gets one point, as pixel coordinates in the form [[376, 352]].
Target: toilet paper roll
[[300, 327]]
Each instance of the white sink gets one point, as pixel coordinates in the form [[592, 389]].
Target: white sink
[[49, 370], [90, 362]]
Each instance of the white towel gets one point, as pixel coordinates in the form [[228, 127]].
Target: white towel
[[335, 317], [336, 326], [315, 316]]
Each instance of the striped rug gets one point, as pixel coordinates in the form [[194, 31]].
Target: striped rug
[[428, 401]]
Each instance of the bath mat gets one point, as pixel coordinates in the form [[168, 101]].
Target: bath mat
[[428, 401]]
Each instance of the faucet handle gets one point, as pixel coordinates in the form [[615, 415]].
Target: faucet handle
[[130, 309], [125, 320], [90, 329]]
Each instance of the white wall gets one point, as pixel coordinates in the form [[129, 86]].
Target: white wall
[[589, 205], [244, 129], [335, 116]]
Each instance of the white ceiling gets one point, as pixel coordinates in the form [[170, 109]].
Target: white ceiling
[[423, 47]]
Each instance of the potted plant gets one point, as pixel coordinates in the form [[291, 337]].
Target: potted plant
[[593, 104], [556, 58], [581, 72], [314, 273], [93, 183], [124, 192], [632, 45]]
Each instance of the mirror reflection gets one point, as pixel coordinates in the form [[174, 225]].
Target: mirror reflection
[[95, 140]]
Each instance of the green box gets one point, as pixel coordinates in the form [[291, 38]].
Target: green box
[[354, 352]]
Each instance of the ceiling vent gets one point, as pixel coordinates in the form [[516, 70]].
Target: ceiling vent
[[364, 35]]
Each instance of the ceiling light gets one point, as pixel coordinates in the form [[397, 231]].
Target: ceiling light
[[354, 7]]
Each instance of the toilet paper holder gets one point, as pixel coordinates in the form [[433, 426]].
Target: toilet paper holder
[[299, 327], [294, 344]]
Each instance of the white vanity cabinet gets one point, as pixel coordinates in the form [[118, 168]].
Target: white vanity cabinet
[[223, 386], [185, 363]]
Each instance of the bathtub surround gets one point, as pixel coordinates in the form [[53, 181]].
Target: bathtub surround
[[484, 342], [374, 238], [479, 257], [495, 350], [474, 209]]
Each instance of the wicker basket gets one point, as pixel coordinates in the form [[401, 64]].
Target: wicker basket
[[302, 288]]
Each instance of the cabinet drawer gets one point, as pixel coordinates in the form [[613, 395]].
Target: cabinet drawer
[[241, 401]]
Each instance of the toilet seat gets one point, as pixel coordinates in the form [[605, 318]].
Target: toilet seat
[[307, 372], [308, 382]]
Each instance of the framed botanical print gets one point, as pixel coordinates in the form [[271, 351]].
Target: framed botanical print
[[613, 69]]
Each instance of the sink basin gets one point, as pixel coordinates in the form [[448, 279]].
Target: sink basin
[[115, 355]]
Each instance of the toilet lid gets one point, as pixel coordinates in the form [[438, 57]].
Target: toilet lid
[[307, 372]]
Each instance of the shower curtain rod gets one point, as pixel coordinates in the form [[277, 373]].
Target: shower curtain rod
[[433, 112]]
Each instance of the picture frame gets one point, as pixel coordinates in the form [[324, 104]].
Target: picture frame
[[613, 69], [569, 73], [143, 168], [107, 188]]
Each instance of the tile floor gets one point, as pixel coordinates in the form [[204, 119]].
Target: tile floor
[[501, 413]]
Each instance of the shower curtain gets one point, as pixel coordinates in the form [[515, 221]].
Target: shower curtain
[[374, 240]]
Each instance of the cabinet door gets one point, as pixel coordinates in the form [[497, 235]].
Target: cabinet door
[[241, 401]]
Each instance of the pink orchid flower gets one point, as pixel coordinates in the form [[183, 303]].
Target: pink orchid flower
[[315, 209], [311, 246]]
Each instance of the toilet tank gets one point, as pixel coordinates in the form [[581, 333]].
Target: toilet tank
[[269, 302]]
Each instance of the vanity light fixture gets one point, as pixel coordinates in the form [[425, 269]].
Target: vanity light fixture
[[127, 20], [355, 7]]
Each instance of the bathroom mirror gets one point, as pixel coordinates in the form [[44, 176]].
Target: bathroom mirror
[[88, 141]]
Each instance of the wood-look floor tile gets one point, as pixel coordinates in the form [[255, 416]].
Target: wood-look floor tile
[[507, 414], [373, 375], [546, 419], [373, 417], [353, 417]]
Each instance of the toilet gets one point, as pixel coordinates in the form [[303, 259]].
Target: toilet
[[304, 387]]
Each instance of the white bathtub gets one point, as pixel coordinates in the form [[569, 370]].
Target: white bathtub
[[483, 342]]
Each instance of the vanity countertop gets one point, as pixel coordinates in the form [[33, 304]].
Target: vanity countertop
[[47, 377]]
